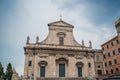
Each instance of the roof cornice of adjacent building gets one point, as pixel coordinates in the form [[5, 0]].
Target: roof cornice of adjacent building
[[109, 41], [117, 22]]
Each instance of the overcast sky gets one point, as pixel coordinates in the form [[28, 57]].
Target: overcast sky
[[92, 19]]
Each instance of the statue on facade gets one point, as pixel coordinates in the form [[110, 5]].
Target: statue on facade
[[90, 44], [83, 43], [37, 39], [28, 39]]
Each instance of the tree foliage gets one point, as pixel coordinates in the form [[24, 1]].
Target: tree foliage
[[1, 70], [7, 75], [9, 72]]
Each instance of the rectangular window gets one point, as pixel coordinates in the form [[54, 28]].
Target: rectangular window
[[117, 41], [98, 58], [117, 70], [105, 64], [103, 48], [89, 65], [111, 71], [61, 40], [99, 72], [112, 43], [104, 56], [119, 50], [30, 63], [113, 52], [115, 61], [108, 54], [110, 63], [106, 71], [61, 70], [107, 46], [42, 71], [79, 72]]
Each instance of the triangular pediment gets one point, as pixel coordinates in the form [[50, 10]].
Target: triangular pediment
[[60, 23]]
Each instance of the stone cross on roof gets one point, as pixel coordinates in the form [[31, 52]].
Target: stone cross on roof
[[60, 17]]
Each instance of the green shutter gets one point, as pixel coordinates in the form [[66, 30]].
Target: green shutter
[[79, 72], [42, 71], [61, 70]]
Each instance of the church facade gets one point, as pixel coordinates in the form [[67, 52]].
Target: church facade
[[59, 55]]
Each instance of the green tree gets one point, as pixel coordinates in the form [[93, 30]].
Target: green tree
[[1, 70], [9, 72], [4, 76]]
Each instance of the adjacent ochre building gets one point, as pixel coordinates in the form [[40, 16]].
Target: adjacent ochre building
[[111, 53], [59, 55]]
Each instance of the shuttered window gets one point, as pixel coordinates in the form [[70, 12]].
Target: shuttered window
[[61, 70], [79, 72], [42, 71]]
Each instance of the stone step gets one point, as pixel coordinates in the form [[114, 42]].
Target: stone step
[[61, 79]]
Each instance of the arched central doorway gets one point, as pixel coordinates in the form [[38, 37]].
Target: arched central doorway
[[62, 65]]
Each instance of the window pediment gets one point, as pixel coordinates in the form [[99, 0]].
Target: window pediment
[[61, 34], [42, 63]]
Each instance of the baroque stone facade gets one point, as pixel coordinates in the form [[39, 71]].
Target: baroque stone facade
[[59, 55]]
